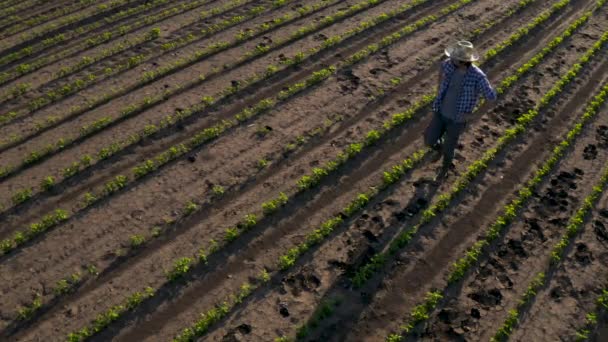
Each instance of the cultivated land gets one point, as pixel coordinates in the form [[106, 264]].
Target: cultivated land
[[253, 170]]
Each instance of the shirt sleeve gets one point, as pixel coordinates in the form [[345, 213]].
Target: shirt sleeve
[[484, 86]]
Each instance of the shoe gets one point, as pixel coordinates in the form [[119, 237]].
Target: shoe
[[435, 156], [441, 175], [435, 152]]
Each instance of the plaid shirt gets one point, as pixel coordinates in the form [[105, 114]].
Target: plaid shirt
[[474, 83]]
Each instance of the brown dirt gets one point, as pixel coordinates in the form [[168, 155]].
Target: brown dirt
[[341, 110]]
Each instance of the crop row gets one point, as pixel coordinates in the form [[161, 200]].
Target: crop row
[[592, 317], [60, 37], [216, 47], [49, 182], [10, 7], [185, 264], [206, 102], [215, 131], [464, 264], [9, 18], [480, 165], [288, 260], [510, 212], [120, 181], [98, 39], [392, 176], [180, 41], [43, 17], [136, 242], [268, 207], [63, 91], [575, 223], [23, 21], [20, 89]]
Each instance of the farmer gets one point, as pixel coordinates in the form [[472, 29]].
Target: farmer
[[460, 84]]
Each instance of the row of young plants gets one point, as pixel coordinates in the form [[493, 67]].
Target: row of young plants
[[25, 23], [154, 76], [575, 224], [22, 88], [216, 47], [49, 182], [288, 260], [390, 177], [137, 242], [38, 46], [171, 120], [12, 6], [172, 153], [377, 262], [62, 91], [212, 316], [583, 334], [463, 265], [98, 38], [62, 287], [183, 265], [46, 30], [17, 19], [104, 37], [176, 151]]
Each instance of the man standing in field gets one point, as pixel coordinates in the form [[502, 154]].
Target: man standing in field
[[460, 85]]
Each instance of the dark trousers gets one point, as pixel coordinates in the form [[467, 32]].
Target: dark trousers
[[439, 126]]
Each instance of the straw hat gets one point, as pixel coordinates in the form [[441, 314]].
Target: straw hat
[[462, 51]]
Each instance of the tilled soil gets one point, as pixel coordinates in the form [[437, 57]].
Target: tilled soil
[[266, 156]]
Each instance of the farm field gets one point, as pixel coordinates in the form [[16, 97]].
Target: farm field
[[254, 170]]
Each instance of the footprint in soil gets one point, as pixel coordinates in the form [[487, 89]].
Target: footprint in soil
[[602, 136], [349, 82], [411, 209], [534, 231], [557, 193], [237, 334], [305, 280], [487, 298], [512, 248], [583, 254], [600, 230], [386, 59], [458, 322], [563, 288], [510, 111], [590, 152], [376, 71]]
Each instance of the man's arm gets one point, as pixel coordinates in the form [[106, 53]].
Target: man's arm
[[486, 89], [440, 76]]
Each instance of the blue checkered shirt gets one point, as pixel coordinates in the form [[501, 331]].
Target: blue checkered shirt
[[475, 82]]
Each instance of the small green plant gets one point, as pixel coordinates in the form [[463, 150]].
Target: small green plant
[[137, 240], [28, 312], [262, 163], [48, 183], [262, 131], [180, 268], [217, 190], [22, 196], [231, 234], [89, 199], [92, 270], [156, 231], [190, 208]]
